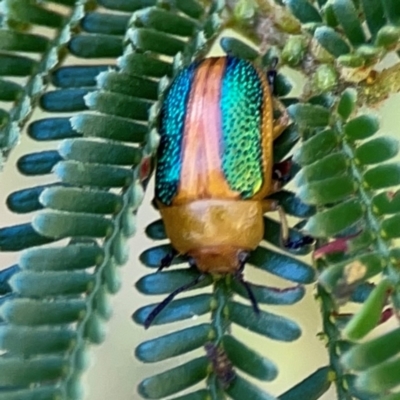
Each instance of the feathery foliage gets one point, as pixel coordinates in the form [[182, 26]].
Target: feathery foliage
[[54, 303]]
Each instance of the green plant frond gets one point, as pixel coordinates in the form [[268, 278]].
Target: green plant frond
[[355, 225], [311, 388], [41, 54], [333, 34], [55, 302], [56, 299]]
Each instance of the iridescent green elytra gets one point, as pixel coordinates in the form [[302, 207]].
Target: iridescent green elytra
[[215, 132]]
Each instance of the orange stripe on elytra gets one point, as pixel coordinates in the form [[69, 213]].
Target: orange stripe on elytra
[[201, 173]]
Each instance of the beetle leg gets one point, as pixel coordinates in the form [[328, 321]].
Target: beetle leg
[[284, 226], [269, 205], [282, 122], [299, 243], [285, 239], [271, 75], [281, 171], [281, 174]]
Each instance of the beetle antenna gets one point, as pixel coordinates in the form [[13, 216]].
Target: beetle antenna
[[150, 318], [166, 261], [243, 257], [250, 294]]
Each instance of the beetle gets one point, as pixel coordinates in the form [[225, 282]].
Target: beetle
[[214, 165]]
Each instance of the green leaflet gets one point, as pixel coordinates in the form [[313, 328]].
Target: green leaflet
[[294, 50], [282, 87], [95, 46], [317, 147], [393, 396], [331, 41], [77, 256], [18, 41], [199, 395], [74, 199], [177, 310], [326, 167], [377, 150], [32, 284], [174, 344], [151, 40], [174, 380], [285, 142], [335, 219], [10, 91], [346, 15], [374, 14], [281, 265], [292, 204], [267, 324], [381, 378], [368, 317], [248, 360], [152, 257], [156, 230], [271, 295], [118, 104], [308, 115], [95, 330], [97, 126], [15, 371], [118, 82], [392, 11], [387, 37], [328, 191], [102, 303], [382, 176], [39, 393], [374, 352], [32, 312], [168, 22], [361, 127], [242, 389], [166, 282], [102, 176], [311, 388], [390, 227], [357, 269], [386, 203], [304, 11], [235, 47], [347, 102], [29, 341], [62, 224], [138, 64]]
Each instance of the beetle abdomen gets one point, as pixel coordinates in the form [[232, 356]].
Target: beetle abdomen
[[216, 127]]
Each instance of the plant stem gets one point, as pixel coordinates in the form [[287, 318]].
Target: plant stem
[[220, 324], [333, 335]]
